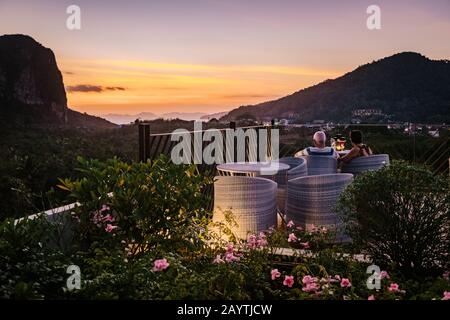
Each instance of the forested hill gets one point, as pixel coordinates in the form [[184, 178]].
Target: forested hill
[[408, 86], [32, 88]]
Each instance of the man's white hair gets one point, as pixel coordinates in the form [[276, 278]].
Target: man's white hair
[[320, 137]]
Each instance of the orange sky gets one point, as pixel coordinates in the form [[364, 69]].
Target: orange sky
[[165, 87], [214, 55]]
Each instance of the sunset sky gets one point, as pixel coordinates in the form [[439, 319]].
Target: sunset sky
[[215, 55]]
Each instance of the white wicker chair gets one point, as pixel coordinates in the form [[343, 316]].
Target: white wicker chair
[[252, 200], [297, 169], [310, 200], [369, 163], [320, 165]]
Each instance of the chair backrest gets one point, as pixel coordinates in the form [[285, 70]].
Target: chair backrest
[[310, 200], [297, 168], [252, 201], [291, 161], [298, 171], [320, 165], [369, 163]]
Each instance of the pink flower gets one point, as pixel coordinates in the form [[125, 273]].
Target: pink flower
[[345, 283], [109, 228], [310, 284], [288, 281], [275, 274], [252, 241], [324, 230], [305, 245], [332, 279], [292, 238], [384, 274], [271, 230], [108, 218], [104, 208], [299, 228], [337, 277], [218, 259], [290, 224], [371, 297], [308, 279], [97, 218], [262, 243], [393, 287], [160, 265], [262, 240], [230, 248], [446, 295], [310, 287], [230, 257]]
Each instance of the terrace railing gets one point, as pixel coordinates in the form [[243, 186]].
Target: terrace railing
[[438, 157], [151, 146]]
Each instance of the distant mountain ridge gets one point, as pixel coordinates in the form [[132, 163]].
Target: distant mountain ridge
[[127, 118], [407, 85], [32, 89], [183, 115], [216, 115]]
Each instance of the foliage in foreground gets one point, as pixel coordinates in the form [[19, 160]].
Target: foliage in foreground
[[400, 216], [126, 251]]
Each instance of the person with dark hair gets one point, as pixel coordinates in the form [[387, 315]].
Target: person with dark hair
[[359, 149]]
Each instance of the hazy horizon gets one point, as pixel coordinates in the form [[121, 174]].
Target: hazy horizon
[[123, 118], [213, 56]]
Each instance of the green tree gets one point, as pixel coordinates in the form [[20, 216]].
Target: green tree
[[400, 216]]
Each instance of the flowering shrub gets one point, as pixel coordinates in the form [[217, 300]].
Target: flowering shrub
[[155, 204], [122, 256], [242, 270]]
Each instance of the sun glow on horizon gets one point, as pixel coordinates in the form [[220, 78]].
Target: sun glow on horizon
[[131, 86]]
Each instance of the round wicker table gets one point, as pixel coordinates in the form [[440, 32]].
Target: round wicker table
[[252, 169]]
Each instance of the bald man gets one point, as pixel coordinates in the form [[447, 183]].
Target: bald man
[[320, 148]]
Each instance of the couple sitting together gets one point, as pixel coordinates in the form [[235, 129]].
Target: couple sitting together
[[320, 149]]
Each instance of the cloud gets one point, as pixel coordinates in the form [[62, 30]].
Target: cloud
[[84, 88], [115, 88], [92, 88]]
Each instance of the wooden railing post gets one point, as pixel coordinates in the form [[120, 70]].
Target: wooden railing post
[[257, 145], [234, 151], [144, 142], [147, 142], [141, 143], [269, 138]]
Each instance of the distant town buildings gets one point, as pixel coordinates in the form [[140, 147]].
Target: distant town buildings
[[366, 112], [368, 115]]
